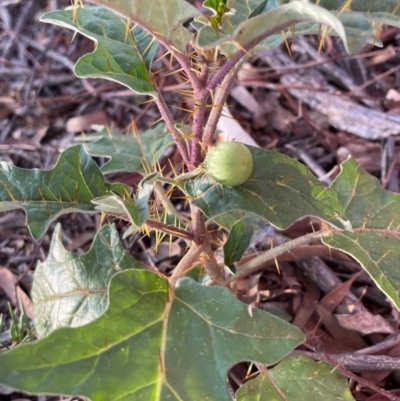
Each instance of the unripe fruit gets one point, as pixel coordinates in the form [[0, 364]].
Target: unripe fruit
[[229, 163]]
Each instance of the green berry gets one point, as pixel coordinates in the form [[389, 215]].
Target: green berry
[[229, 163]]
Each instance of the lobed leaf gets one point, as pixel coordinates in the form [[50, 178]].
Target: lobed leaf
[[44, 195], [123, 53], [382, 12], [164, 341], [70, 290], [280, 189], [275, 19], [374, 214], [129, 153], [297, 378], [163, 19]]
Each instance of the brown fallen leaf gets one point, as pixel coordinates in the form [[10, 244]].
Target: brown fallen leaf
[[365, 323], [8, 283]]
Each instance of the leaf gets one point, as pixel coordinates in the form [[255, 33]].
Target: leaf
[[129, 153], [70, 290], [383, 11], [123, 53], [198, 333], [44, 195], [114, 204], [144, 191], [163, 19], [374, 214], [253, 30], [136, 211], [237, 242], [280, 189], [297, 378]]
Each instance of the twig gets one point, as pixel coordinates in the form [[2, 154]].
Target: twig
[[356, 361]]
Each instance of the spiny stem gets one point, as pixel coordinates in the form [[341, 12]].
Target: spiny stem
[[201, 234], [170, 122], [230, 63], [273, 253], [183, 60], [200, 109], [188, 260], [171, 230], [220, 99], [198, 124]]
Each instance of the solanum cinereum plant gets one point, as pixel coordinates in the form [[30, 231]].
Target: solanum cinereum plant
[[109, 327]]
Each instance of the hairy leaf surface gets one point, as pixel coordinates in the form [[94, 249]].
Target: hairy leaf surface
[[161, 18], [129, 153], [251, 31], [280, 189], [374, 214], [297, 378], [237, 242], [46, 194], [70, 290], [164, 342], [123, 53]]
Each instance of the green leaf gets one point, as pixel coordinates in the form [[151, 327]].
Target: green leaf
[[123, 53], [116, 205], [280, 189], [44, 195], [70, 290], [129, 153], [161, 18], [237, 242], [383, 11], [152, 344], [297, 378], [277, 19], [144, 191], [374, 214]]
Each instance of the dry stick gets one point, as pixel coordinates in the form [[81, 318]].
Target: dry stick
[[355, 361], [364, 382], [255, 263]]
